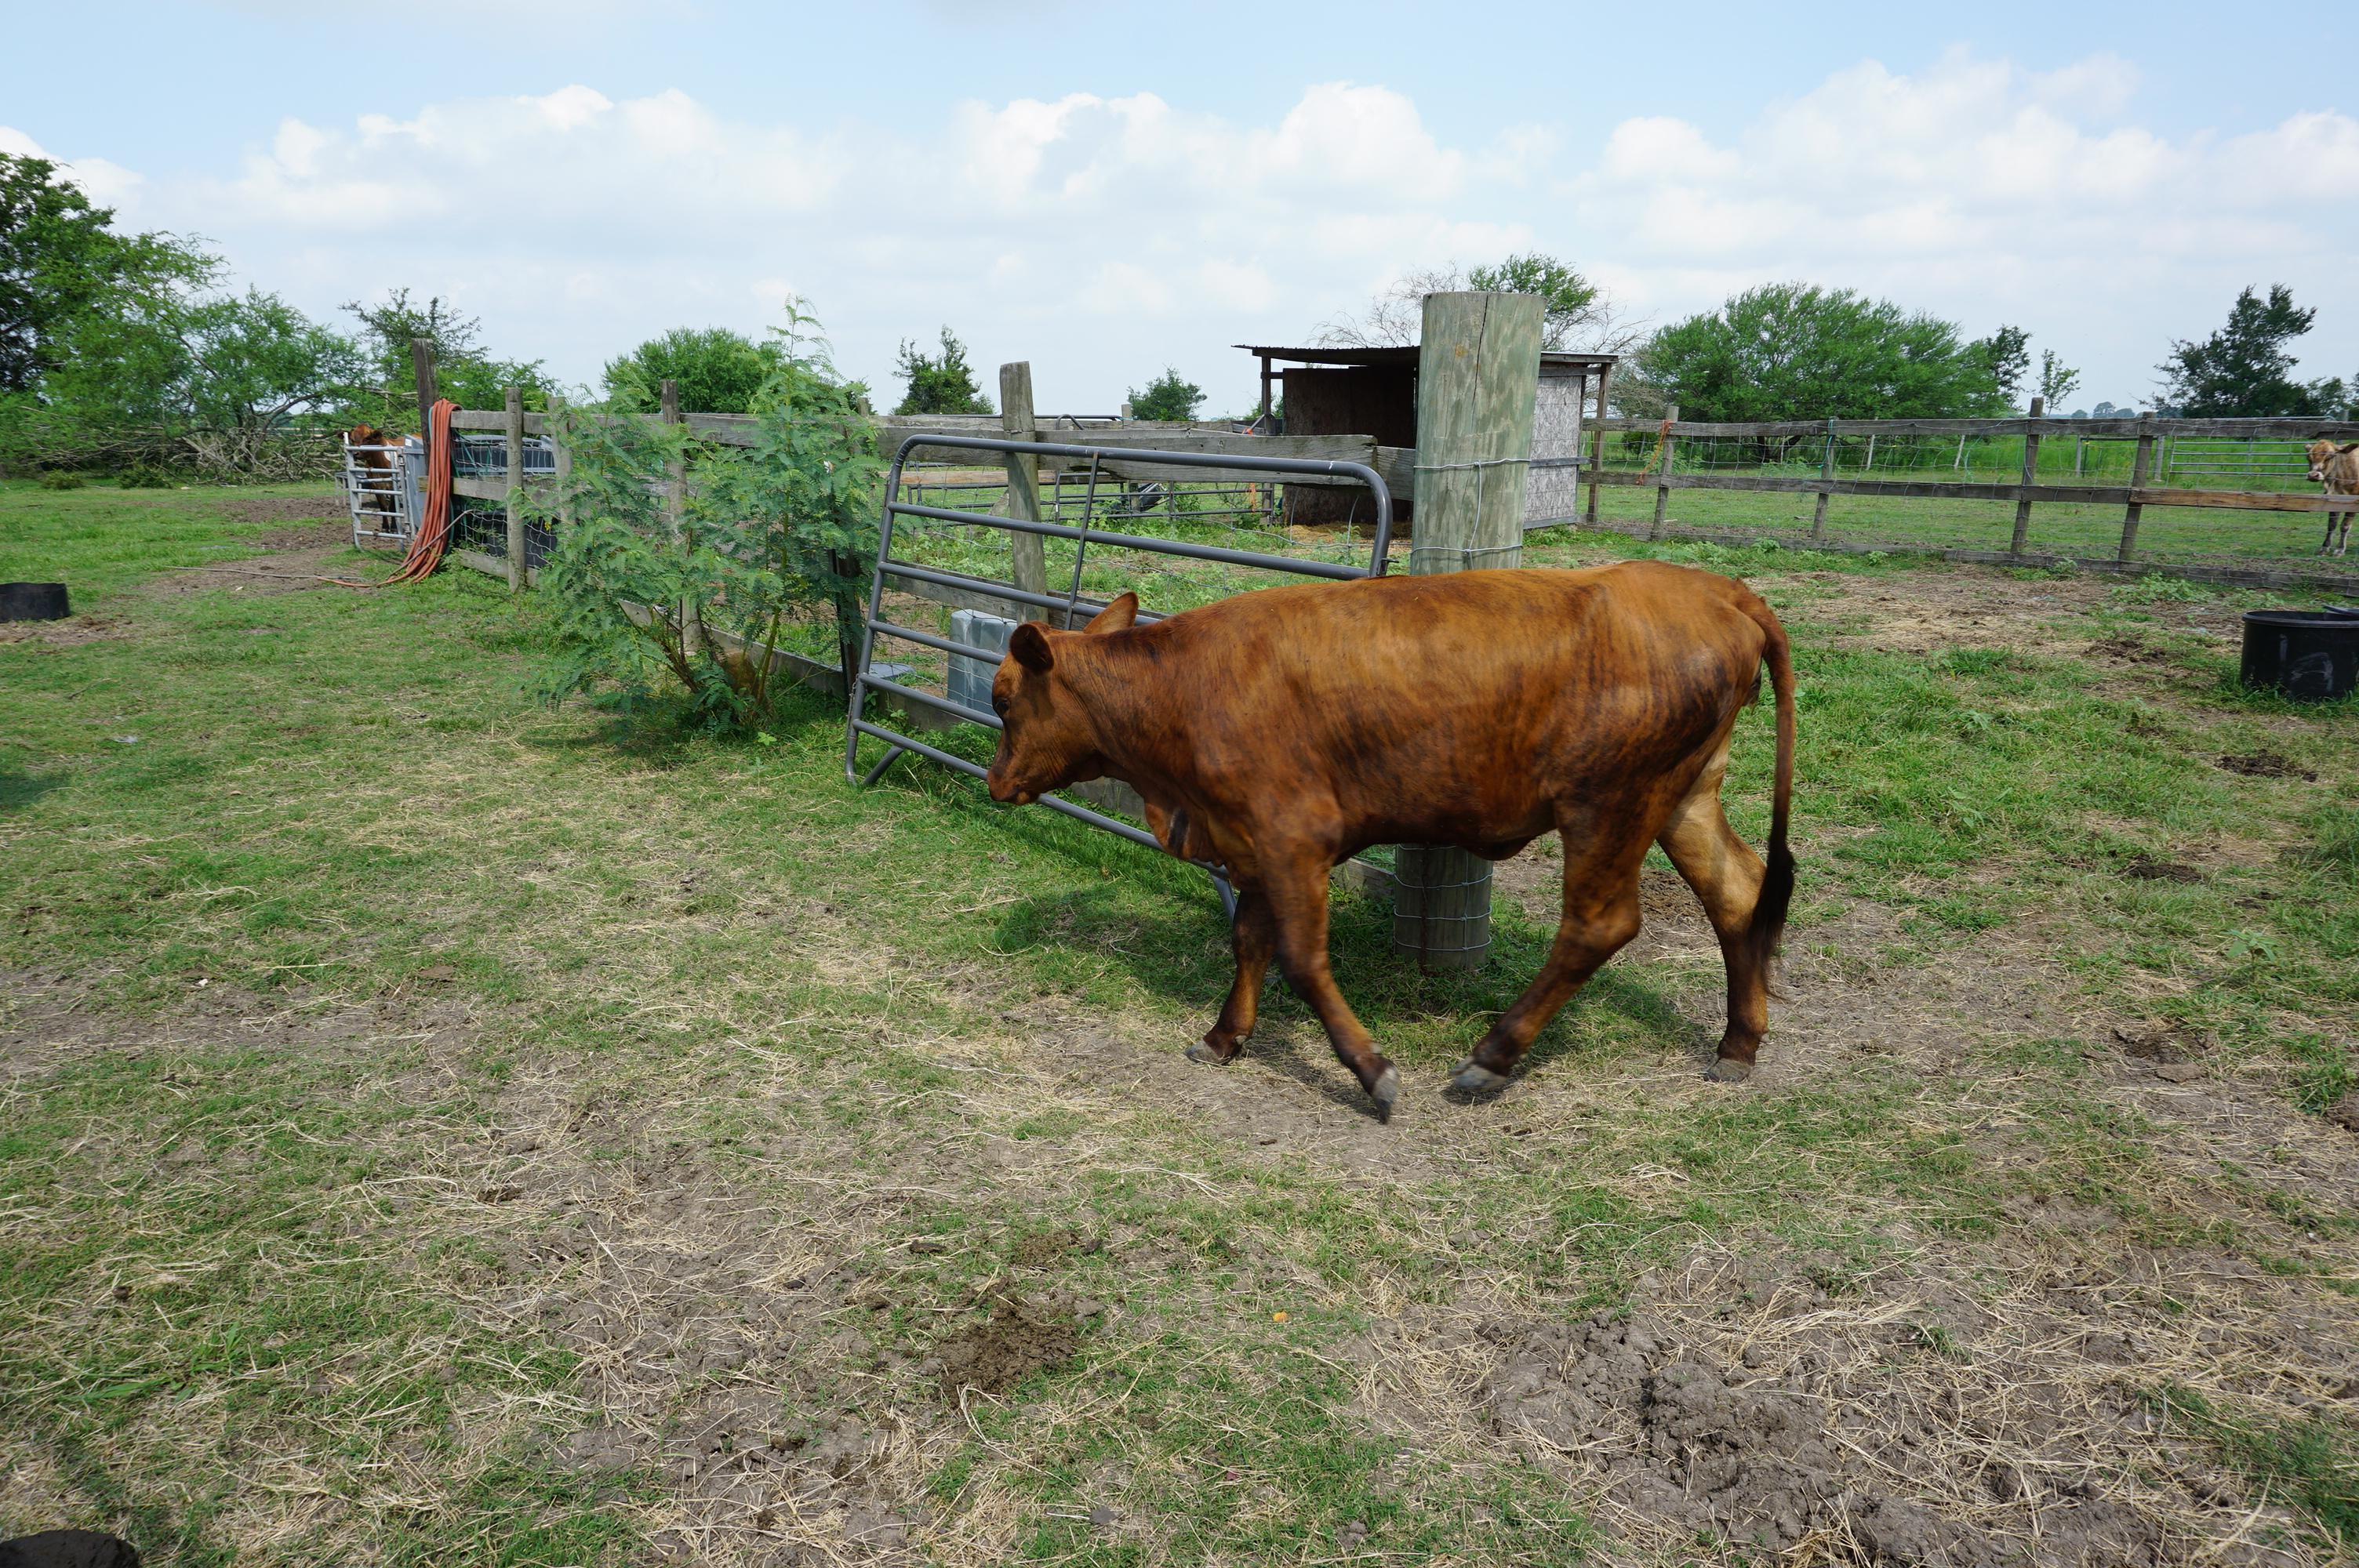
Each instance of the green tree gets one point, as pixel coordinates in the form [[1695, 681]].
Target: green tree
[[1578, 313], [2057, 381], [774, 534], [2244, 368], [1793, 350], [1571, 299], [1167, 396], [229, 361], [718, 371], [463, 371], [63, 266], [2007, 354], [941, 383]]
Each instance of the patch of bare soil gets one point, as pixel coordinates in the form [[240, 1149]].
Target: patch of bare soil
[[292, 569], [282, 508], [1969, 607], [70, 633], [2266, 765], [1017, 1340]]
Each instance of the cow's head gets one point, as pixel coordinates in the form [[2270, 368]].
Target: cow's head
[[2321, 453], [1046, 740]]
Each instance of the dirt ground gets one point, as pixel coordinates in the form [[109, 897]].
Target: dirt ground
[[1961, 1400]]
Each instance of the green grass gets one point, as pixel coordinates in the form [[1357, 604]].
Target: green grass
[[705, 952]]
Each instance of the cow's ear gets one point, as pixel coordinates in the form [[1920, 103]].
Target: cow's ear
[[2350, 447], [1116, 617], [1029, 647]]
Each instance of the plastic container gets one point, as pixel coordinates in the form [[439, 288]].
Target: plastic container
[[2309, 656], [34, 601]]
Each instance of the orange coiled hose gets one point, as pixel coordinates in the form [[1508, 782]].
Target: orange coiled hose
[[433, 536]]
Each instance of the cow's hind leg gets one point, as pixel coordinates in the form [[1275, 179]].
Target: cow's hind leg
[[1726, 876], [1296, 892], [1601, 915], [1253, 938]]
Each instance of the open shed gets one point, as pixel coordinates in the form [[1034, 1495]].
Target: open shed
[[1372, 392]]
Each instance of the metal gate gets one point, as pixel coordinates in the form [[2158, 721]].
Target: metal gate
[[381, 487], [866, 677]]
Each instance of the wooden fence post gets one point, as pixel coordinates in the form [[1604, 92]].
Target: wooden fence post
[[675, 511], [1597, 444], [1028, 556], [564, 475], [1663, 490], [1826, 476], [2030, 471], [1478, 382], [2138, 468], [421, 368], [516, 490]]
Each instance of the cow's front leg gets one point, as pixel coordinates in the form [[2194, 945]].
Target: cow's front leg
[[2326, 545], [1253, 938], [2344, 543], [1297, 890], [1601, 915]]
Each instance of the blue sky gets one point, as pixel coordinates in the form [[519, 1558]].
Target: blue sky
[[1105, 189]]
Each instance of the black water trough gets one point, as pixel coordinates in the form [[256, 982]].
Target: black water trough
[[33, 602], [2310, 656]]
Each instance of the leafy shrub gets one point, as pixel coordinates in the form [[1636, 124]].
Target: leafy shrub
[[60, 478], [766, 539], [144, 476]]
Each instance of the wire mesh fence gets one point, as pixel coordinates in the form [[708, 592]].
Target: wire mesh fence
[[2206, 499]]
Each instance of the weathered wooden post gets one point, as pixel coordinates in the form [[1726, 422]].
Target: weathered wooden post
[[2030, 471], [1478, 377], [2138, 468], [516, 490], [1028, 556], [421, 369], [1826, 477], [564, 476], [1663, 476], [675, 511], [1597, 444]]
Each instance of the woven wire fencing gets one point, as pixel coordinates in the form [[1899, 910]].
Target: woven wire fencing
[[1951, 490]]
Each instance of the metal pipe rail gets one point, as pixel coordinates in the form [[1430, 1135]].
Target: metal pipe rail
[[863, 679]]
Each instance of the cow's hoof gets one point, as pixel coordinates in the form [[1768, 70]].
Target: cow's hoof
[[1204, 1051], [1473, 1079], [1383, 1091], [1729, 1070]]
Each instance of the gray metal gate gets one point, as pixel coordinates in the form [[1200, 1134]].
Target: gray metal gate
[[868, 676]]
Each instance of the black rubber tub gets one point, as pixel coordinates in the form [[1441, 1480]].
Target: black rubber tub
[[34, 601], [2309, 656]]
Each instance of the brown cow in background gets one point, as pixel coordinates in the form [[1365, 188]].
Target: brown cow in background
[[2336, 467], [1281, 731]]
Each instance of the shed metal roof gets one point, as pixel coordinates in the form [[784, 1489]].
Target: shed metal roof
[[1559, 360]]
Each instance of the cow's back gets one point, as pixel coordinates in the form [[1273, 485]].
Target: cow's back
[[1474, 696]]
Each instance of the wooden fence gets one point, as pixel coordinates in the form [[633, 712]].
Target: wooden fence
[[1778, 441]]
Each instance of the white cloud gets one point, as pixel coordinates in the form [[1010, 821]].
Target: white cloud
[[1103, 237]]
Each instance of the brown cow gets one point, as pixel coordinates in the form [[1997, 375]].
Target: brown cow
[[2336, 467], [1278, 732], [367, 438]]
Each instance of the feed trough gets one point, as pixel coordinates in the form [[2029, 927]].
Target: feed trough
[[34, 601], [2307, 655]]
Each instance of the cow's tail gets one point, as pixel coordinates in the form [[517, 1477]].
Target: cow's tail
[[1768, 922]]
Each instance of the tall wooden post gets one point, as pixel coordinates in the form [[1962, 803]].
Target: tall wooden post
[[564, 476], [1478, 379], [421, 368], [516, 490], [1826, 476], [1028, 556], [2140, 467], [1662, 478], [675, 510], [1597, 443], [2030, 471], [1264, 396]]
